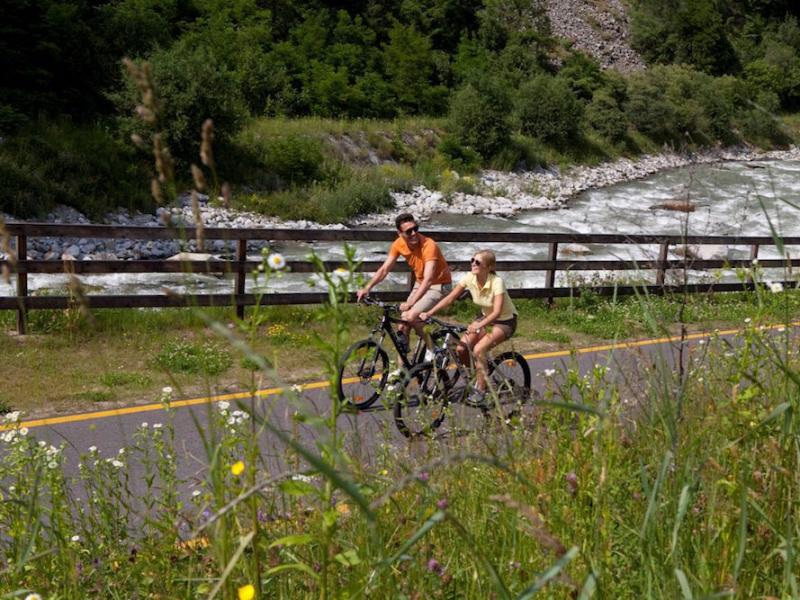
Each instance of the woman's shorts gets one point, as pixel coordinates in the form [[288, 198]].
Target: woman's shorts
[[508, 327]]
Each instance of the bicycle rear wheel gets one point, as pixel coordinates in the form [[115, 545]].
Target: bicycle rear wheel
[[363, 373], [422, 400], [509, 385]]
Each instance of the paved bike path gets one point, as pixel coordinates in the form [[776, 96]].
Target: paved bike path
[[110, 430]]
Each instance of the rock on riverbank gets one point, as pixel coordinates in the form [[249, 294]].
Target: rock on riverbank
[[504, 193]]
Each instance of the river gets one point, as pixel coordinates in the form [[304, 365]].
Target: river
[[731, 198]]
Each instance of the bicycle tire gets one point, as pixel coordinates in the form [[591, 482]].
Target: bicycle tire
[[510, 377], [422, 399], [363, 372]]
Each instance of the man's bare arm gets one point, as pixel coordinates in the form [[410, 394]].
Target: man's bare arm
[[424, 286], [378, 276]]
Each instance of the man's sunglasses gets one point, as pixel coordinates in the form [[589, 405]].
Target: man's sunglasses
[[411, 230], [475, 261]]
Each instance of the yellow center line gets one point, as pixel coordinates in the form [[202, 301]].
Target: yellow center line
[[118, 412]]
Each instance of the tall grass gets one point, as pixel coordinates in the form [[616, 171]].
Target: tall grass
[[609, 486]]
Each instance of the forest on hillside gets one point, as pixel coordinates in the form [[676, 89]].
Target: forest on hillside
[[490, 69]]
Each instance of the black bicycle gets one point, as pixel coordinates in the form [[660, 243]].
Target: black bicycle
[[364, 368], [426, 390]]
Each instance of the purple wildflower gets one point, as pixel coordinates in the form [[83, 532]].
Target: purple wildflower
[[572, 482], [442, 504], [423, 477], [434, 566]]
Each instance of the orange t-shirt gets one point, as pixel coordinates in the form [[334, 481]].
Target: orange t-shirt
[[416, 259]]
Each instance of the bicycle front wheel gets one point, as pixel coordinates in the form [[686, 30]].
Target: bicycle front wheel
[[422, 400], [509, 385], [363, 373]]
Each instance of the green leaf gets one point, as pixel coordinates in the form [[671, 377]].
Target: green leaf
[[293, 540], [432, 521], [243, 542], [683, 504], [742, 542], [294, 487], [548, 575], [329, 518], [777, 412], [572, 406], [296, 566], [684, 583], [348, 558], [589, 587], [494, 576], [324, 468], [651, 503]]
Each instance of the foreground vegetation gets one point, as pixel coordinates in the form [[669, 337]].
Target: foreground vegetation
[[650, 482]]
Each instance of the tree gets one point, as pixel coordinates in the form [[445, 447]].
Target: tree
[[479, 117]]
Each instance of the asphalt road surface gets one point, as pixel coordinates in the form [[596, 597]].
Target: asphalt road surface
[[364, 431]]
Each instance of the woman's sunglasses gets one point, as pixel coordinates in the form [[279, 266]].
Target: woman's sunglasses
[[475, 261], [411, 230]]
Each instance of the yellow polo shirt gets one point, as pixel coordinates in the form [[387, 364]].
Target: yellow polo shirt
[[484, 297]]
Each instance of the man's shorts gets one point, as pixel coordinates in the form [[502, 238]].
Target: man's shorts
[[435, 293]]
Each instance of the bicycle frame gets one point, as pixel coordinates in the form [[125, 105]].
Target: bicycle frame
[[385, 327]]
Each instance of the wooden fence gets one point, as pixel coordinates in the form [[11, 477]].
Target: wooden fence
[[240, 266]]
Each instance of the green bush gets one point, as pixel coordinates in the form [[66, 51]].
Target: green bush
[[583, 75], [547, 109], [192, 85], [479, 118], [679, 105], [82, 166], [360, 194], [604, 115], [356, 194], [758, 122], [294, 160], [459, 157]]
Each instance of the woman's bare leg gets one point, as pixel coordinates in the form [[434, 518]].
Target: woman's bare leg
[[481, 348]]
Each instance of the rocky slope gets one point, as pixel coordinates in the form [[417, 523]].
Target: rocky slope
[[599, 28]]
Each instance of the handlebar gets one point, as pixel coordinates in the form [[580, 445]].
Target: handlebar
[[383, 305], [431, 320], [445, 325]]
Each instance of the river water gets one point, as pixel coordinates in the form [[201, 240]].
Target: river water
[[732, 198]]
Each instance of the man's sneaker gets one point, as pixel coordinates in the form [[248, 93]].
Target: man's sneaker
[[402, 342], [476, 396]]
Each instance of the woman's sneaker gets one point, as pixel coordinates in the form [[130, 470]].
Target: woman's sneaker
[[476, 397]]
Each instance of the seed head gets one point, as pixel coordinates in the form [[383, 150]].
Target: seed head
[[199, 178], [207, 139]]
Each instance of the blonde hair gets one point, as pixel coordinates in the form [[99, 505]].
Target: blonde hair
[[488, 258]]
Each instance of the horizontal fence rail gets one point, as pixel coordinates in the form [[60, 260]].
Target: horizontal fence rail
[[239, 266]]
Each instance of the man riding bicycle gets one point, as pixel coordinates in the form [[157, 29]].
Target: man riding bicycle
[[430, 269]]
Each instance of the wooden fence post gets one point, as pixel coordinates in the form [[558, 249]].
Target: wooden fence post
[[241, 257], [550, 276], [22, 283], [663, 252]]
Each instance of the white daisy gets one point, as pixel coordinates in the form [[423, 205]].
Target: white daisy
[[276, 261]]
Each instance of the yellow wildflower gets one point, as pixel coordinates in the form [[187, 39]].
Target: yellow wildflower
[[343, 509], [237, 468], [247, 592]]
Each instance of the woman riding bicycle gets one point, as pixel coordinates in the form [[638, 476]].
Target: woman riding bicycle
[[489, 292]]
